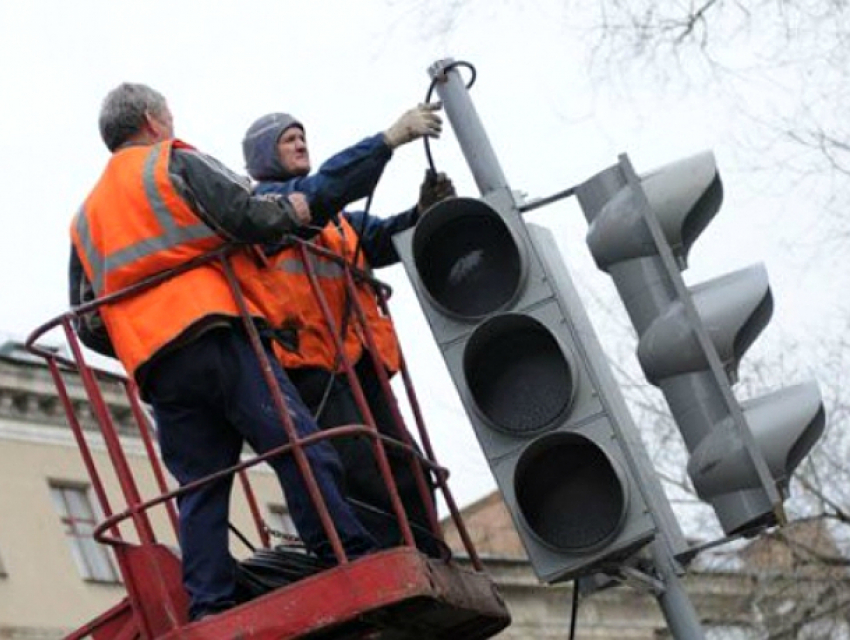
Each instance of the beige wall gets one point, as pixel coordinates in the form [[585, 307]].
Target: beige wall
[[43, 590], [35, 552]]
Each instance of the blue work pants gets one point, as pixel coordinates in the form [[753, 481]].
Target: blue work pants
[[209, 397], [333, 399]]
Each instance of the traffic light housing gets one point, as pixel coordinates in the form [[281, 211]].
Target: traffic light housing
[[691, 340], [534, 382]]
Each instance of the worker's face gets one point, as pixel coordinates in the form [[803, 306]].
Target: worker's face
[[292, 151], [161, 124]]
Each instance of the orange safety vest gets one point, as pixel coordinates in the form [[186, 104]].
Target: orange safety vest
[[316, 346], [135, 224]]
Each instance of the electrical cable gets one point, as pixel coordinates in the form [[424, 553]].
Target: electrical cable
[[343, 328], [242, 537], [348, 308], [428, 94], [360, 232], [574, 611]]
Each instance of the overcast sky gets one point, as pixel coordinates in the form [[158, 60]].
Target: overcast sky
[[347, 70]]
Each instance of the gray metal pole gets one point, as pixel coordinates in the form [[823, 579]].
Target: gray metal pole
[[467, 126], [676, 605], [682, 618]]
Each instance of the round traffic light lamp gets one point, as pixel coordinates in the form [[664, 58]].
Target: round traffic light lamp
[[467, 258], [518, 376], [569, 492]]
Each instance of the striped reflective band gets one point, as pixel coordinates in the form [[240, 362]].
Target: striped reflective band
[[92, 253], [322, 268], [172, 236]]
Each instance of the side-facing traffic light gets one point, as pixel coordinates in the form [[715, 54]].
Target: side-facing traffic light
[[692, 339], [534, 382]]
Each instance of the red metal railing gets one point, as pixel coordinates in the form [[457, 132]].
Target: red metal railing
[[137, 509]]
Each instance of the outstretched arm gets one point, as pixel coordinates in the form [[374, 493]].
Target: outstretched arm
[[348, 176]]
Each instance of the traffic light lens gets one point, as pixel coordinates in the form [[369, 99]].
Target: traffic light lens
[[518, 375], [569, 493], [467, 258]]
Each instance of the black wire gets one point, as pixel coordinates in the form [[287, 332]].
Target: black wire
[[434, 81], [241, 536], [320, 408], [362, 228], [358, 247], [574, 612], [346, 314]]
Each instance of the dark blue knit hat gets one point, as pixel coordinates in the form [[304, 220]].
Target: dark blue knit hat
[[259, 147]]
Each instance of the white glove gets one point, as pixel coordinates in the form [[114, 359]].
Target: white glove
[[300, 207], [415, 123]]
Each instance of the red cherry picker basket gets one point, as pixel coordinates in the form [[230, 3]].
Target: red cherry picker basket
[[394, 594]]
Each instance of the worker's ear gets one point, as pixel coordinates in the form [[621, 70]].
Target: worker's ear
[[157, 125], [151, 123]]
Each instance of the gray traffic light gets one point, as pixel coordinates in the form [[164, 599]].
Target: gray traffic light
[[535, 384], [692, 340]]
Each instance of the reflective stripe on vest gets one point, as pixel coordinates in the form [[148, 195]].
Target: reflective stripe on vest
[[172, 236], [323, 268]]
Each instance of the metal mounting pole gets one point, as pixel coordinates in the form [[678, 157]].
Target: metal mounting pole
[[676, 605], [467, 127]]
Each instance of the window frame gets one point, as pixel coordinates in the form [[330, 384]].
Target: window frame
[[79, 516], [279, 520]]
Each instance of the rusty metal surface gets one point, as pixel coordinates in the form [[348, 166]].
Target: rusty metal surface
[[396, 594]]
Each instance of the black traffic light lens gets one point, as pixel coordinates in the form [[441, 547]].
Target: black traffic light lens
[[569, 493], [518, 375], [467, 258]]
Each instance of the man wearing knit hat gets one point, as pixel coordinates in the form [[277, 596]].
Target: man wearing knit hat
[[277, 157]]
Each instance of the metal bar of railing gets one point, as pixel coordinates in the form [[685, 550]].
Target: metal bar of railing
[[145, 429], [401, 429], [279, 401], [360, 399], [80, 438], [441, 475], [110, 437], [254, 509]]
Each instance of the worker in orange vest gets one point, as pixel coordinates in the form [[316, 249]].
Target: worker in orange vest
[[158, 204], [276, 154]]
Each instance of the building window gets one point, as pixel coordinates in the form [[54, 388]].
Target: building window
[[77, 514], [280, 523], [3, 573]]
